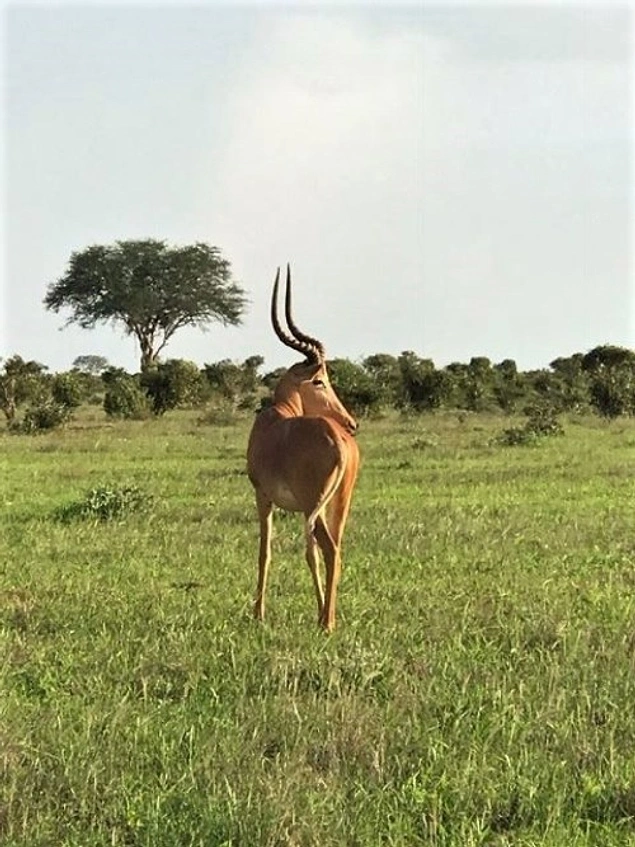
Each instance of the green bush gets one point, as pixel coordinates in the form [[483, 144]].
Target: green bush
[[68, 389], [238, 384], [107, 502], [124, 398], [516, 435], [541, 422], [20, 382], [42, 417], [174, 383], [219, 412], [355, 387], [613, 394]]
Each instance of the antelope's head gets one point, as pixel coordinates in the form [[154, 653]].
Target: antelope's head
[[306, 387]]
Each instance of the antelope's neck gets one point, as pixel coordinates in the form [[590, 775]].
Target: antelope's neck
[[289, 405], [288, 409]]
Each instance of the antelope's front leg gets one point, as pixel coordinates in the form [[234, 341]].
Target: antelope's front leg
[[265, 516]]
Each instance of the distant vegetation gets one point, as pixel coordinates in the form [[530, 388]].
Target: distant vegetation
[[152, 290], [601, 381]]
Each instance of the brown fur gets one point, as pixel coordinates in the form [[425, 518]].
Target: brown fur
[[302, 457]]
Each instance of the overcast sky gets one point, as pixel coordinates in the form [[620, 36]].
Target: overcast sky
[[455, 180]]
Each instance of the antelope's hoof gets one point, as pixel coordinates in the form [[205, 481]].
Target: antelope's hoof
[[326, 626]]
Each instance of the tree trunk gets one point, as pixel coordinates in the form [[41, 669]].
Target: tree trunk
[[7, 398], [148, 353]]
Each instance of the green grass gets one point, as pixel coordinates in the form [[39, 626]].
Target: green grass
[[478, 690]]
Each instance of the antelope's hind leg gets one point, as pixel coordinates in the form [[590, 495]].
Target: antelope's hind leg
[[332, 565], [330, 539], [265, 516], [313, 561]]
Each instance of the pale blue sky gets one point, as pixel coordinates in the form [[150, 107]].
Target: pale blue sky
[[452, 179]]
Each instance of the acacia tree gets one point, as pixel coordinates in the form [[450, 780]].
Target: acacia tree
[[150, 289], [91, 364]]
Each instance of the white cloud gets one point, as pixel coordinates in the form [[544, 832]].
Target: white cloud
[[322, 167]]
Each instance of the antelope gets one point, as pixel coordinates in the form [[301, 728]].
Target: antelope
[[302, 457]]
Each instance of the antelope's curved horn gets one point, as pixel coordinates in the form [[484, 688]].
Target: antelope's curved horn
[[306, 349], [316, 346]]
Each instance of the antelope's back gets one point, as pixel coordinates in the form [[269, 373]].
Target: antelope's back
[[292, 460]]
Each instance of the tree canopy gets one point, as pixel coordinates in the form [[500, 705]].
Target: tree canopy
[[149, 288], [91, 364]]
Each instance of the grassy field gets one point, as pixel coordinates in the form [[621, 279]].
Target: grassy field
[[479, 688]]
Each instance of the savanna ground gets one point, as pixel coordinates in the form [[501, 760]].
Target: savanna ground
[[479, 688]]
